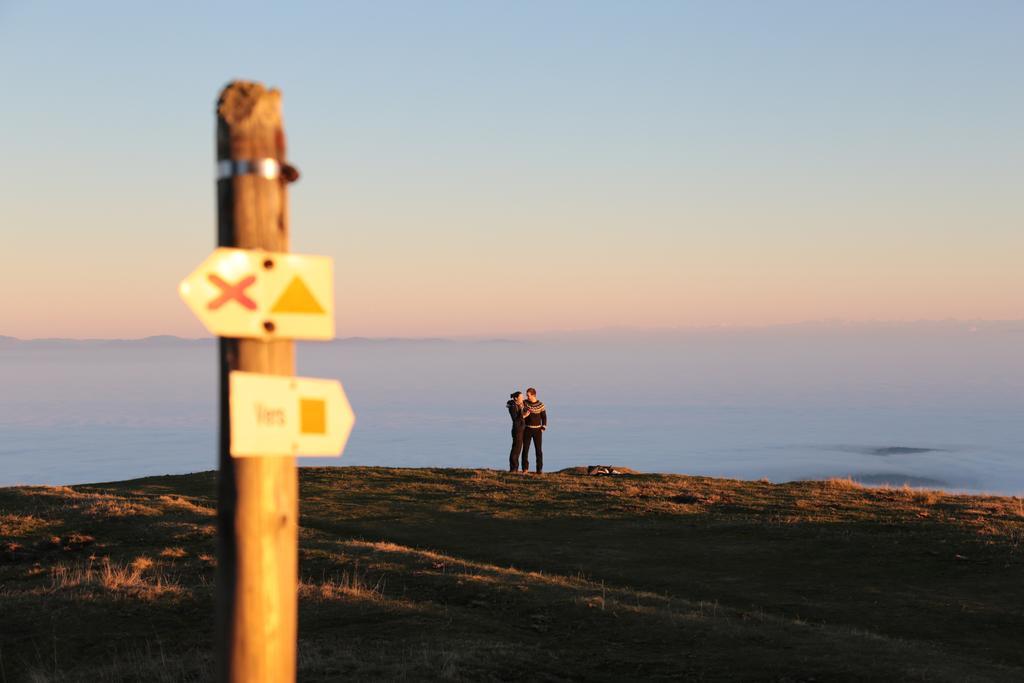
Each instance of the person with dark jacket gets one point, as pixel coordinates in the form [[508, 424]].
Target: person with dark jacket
[[536, 424], [517, 411]]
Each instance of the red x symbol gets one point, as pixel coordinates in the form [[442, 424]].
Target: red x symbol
[[232, 292]]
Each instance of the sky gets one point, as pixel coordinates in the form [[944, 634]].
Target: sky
[[486, 168]]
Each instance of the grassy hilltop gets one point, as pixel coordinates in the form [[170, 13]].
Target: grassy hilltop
[[477, 574]]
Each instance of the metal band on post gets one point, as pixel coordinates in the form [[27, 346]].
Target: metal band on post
[[264, 168]]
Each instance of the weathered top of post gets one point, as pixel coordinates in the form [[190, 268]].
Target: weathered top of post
[[249, 103], [249, 122]]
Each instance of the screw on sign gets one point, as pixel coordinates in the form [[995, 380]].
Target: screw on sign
[[255, 294]]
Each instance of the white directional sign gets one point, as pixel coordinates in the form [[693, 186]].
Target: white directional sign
[[262, 294], [276, 415]]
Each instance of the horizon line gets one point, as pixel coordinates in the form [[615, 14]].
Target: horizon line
[[838, 322]]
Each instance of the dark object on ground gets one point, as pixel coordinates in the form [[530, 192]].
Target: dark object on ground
[[602, 470], [590, 470]]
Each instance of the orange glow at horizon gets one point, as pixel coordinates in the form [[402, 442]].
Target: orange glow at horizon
[[465, 283]]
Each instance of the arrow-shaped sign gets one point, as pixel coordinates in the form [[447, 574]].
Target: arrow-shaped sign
[[262, 294], [275, 415]]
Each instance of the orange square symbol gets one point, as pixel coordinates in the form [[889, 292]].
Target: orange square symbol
[[313, 415]]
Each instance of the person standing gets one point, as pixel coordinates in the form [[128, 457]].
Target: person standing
[[517, 411], [536, 424]]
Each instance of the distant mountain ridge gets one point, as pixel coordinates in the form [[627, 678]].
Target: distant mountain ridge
[[171, 340]]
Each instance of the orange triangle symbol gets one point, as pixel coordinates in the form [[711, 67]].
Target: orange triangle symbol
[[297, 299]]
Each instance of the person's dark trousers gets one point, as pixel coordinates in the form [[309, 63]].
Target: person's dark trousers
[[537, 435], [517, 448]]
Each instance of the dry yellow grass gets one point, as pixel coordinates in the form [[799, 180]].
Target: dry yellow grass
[[187, 504], [842, 483], [140, 579], [14, 526], [344, 584]]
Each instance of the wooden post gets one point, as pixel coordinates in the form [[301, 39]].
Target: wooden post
[[257, 510]]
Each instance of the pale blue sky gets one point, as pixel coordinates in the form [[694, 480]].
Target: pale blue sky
[[651, 163]]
